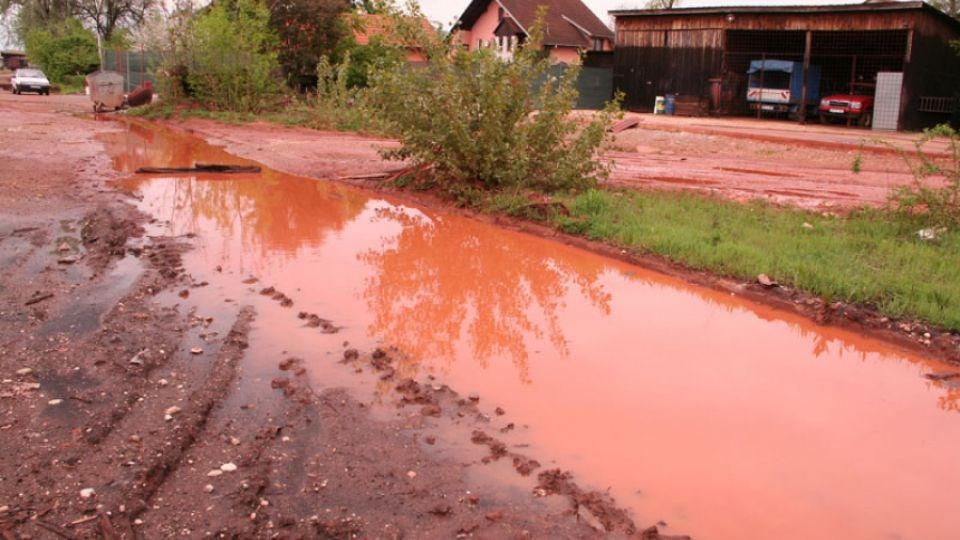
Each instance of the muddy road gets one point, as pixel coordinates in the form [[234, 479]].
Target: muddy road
[[809, 167], [266, 355], [134, 403]]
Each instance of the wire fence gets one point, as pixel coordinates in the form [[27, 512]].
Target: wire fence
[[136, 67]]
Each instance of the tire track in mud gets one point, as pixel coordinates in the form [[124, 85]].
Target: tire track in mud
[[193, 419]]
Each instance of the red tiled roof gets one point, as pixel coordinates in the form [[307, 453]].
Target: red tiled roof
[[380, 25], [566, 21]]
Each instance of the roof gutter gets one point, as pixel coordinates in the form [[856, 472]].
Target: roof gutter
[[516, 20], [582, 30]]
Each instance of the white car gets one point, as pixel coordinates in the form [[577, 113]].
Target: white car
[[30, 80]]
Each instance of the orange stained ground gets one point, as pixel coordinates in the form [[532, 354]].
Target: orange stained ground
[[723, 418]]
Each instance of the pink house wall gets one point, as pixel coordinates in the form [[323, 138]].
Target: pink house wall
[[566, 55], [487, 23], [484, 27]]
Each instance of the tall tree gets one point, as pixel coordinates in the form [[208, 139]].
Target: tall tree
[[30, 14], [662, 4], [373, 7], [308, 30], [950, 7], [106, 16]]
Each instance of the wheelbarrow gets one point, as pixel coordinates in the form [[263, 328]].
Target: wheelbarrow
[[106, 90]]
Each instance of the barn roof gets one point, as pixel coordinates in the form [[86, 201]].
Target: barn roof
[[866, 7]]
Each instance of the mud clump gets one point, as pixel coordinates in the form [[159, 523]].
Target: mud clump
[[590, 503], [276, 295], [497, 448], [296, 388], [105, 234], [315, 321], [383, 364], [293, 364], [167, 259], [413, 393], [524, 465]]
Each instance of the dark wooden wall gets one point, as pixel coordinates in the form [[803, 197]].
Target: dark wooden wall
[[680, 53], [933, 71]]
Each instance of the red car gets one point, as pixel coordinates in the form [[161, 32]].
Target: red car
[[857, 106]]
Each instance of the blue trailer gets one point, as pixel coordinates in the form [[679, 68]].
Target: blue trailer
[[777, 86]]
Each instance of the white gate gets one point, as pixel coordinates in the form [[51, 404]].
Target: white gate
[[886, 105]]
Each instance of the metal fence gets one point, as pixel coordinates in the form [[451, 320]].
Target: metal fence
[[136, 67], [595, 85]]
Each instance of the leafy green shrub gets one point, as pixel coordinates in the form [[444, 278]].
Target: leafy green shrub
[[63, 50], [337, 104], [933, 204], [233, 60], [365, 59], [307, 30], [480, 121]]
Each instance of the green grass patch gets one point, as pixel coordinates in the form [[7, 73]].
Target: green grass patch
[[869, 257]]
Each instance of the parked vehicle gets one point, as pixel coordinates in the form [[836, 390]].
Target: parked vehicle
[[29, 80], [776, 86], [856, 106]]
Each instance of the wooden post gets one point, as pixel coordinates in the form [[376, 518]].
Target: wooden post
[[763, 68], [853, 79], [805, 92]]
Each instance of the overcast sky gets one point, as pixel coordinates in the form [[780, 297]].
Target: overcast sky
[[446, 11]]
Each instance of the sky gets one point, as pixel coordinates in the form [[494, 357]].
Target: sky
[[445, 11]]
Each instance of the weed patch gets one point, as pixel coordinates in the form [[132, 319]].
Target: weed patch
[[869, 257]]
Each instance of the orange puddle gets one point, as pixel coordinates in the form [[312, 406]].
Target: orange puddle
[[724, 418]]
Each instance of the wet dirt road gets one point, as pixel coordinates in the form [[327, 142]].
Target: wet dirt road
[[134, 404], [800, 166], [721, 418]]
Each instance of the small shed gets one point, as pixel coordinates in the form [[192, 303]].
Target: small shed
[[707, 53], [13, 59]]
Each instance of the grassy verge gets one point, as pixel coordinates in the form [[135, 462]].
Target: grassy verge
[[298, 113], [870, 257]]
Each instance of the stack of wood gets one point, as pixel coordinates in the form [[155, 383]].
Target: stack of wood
[[691, 106]]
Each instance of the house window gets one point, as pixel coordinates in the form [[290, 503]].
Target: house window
[[597, 44]]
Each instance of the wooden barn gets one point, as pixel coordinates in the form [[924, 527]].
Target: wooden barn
[[902, 49]]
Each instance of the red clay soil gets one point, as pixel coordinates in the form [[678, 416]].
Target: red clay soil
[[807, 166], [659, 155], [121, 416], [800, 176], [122, 427]]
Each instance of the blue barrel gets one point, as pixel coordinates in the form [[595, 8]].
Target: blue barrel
[[671, 103]]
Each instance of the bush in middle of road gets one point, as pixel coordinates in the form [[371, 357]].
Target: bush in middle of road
[[480, 122]]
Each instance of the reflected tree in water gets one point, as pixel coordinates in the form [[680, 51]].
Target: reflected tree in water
[[266, 217], [445, 286]]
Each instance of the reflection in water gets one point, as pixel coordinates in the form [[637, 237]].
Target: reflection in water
[[724, 418], [441, 284]]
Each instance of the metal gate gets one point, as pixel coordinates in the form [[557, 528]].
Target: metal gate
[[886, 105], [136, 67]]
